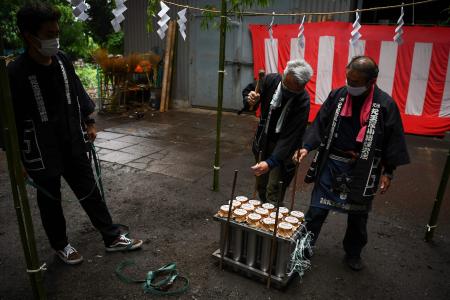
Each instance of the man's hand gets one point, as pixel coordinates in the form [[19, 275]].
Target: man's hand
[[385, 183], [91, 132], [299, 155], [253, 97], [260, 168]]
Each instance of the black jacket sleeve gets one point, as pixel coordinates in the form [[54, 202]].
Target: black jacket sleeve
[[291, 135], [250, 87], [87, 106], [395, 152]]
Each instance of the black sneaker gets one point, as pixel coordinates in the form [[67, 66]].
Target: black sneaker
[[122, 243], [70, 255], [354, 262]]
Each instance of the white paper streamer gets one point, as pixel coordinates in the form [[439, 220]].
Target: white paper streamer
[[355, 32], [398, 30], [79, 8], [162, 23], [301, 36], [270, 28], [118, 14], [182, 22]]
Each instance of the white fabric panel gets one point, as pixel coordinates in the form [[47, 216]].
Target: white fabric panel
[[356, 49], [445, 105], [297, 52], [419, 78], [271, 55], [387, 63], [324, 68]]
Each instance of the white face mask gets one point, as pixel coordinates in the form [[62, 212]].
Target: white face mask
[[356, 91], [49, 47]]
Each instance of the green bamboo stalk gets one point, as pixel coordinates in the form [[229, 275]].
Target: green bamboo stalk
[[432, 223], [18, 183], [223, 34]]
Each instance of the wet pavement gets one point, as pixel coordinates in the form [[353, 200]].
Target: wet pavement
[[157, 174]]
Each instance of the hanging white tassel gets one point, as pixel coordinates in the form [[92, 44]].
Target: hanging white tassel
[[399, 30], [270, 28], [301, 36], [182, 22], [162, 23], [355, 35]]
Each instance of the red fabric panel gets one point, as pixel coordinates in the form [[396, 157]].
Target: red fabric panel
[[402, 74], [429, 123], [436, 80]]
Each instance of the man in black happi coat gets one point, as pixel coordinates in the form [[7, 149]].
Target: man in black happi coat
[[54, 128], [284, 116], [359, 136]]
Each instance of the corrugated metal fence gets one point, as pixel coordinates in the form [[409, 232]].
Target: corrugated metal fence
[[195, 81]]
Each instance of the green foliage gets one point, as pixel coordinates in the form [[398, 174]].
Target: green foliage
[[99, 23], [152, 9], [73, 38], [88, 75], [115, 43], [78, 39], [8, 29]]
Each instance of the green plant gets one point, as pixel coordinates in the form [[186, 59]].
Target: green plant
[[88, 75], [114, 43]]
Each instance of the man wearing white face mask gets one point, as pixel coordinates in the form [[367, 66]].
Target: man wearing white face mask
[[359, 136], [54, 128], [284, 116]]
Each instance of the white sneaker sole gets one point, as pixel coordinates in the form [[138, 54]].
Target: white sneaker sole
[[124, 248]]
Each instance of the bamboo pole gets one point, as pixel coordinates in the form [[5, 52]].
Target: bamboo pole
[[171, 62], [432, 223], [223, 34], [17, 180], [162, 105]]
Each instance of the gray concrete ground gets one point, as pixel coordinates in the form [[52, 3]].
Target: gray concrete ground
[[157, 174]]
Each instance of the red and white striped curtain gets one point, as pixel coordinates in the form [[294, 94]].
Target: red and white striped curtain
[[416, 73]]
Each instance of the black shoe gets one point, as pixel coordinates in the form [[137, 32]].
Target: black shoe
[[354, 262]]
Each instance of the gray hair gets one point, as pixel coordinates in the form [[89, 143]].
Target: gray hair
[[300, 69]]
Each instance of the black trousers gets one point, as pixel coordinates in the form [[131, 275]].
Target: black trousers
[[355, 236], [78, 174]]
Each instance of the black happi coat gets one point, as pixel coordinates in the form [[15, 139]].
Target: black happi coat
[[281, 146], [40, 143], [383, 146]]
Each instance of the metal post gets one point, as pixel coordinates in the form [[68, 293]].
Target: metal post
[[274, 236], [432, 223], [294, 186], [227, 225], [255, 190], [21, 205], [223, 34]]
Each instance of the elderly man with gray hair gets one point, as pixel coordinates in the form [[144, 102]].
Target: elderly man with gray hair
[[284, 116]]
